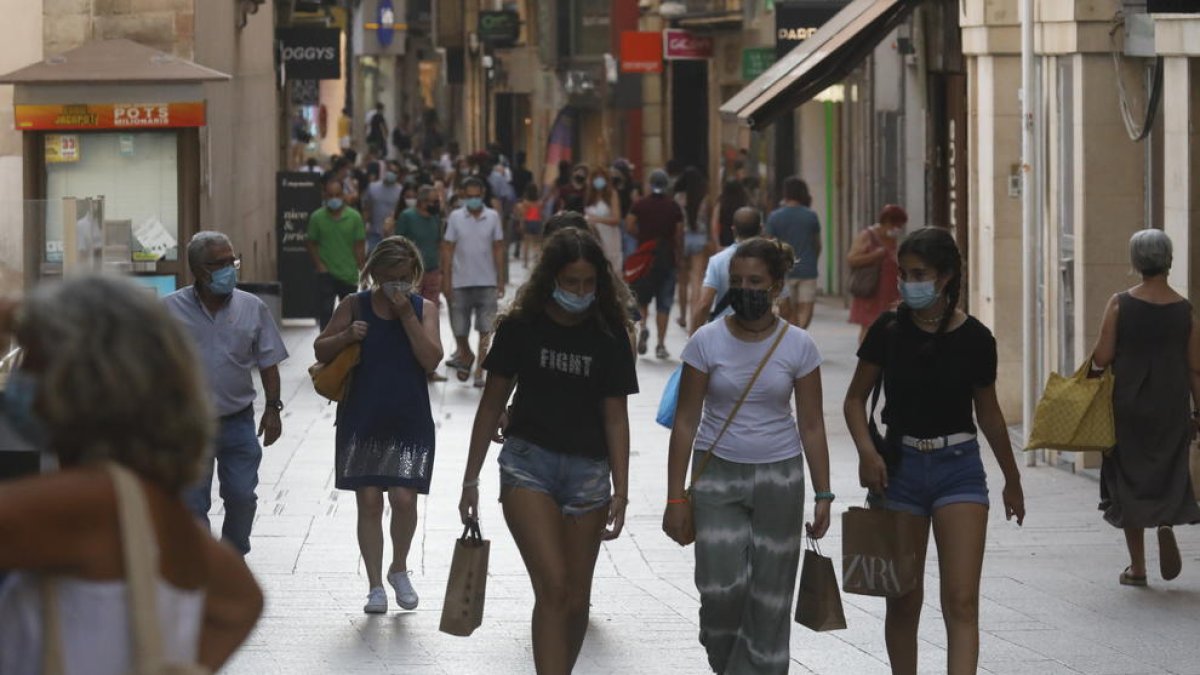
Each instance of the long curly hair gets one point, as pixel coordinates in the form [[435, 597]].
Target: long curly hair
[[564, 247], [936, 247]]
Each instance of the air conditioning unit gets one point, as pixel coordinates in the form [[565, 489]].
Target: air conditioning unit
[[1139, 29]]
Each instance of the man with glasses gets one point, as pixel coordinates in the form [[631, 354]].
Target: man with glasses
[[233, 333]]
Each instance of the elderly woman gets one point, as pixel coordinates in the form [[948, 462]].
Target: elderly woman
[[111, 388], [1149, 337]]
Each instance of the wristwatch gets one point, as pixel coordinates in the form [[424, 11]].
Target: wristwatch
[[276, 404]]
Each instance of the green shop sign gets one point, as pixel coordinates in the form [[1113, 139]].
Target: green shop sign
[[499, 29], [756, 60]]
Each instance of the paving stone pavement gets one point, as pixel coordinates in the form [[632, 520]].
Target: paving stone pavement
[[1050, 602]]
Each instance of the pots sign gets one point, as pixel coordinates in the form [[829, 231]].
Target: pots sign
[[310, 53], [679, 45]]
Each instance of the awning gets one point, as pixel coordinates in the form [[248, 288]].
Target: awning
[[819, 62]]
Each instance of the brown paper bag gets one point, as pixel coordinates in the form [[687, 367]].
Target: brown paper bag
[[818, 603], [879, 552], [462, 612]]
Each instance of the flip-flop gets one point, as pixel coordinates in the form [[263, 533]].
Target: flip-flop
[[1170, 564], [1128, 579], [462, 368], [643, 338]]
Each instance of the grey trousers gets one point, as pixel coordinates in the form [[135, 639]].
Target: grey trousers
[[749, 532]]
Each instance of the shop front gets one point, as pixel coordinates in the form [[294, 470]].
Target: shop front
[[113, 161]]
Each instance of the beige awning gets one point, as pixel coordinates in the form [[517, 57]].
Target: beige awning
[[113, 61], [814, 65]]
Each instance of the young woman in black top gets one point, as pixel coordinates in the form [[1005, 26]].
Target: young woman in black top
[[563, 346], [938, 366]]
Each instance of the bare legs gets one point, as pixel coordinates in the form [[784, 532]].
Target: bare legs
[[560, 554], [463, 350], [696, 266], [798, 313], [959, 531], [370, 529], [1135, 540]]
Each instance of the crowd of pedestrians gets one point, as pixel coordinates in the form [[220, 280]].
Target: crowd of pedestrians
[[398, 241]]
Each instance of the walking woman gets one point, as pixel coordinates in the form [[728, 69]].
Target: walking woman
[[563, 345], [748, 465], [693, 199], [385, 432], [939, 376], [733, 197], [603, 212], [875, 246], [1149, 337], [101, 359]]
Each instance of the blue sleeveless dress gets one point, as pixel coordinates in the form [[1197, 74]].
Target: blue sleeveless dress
[[385, 431]]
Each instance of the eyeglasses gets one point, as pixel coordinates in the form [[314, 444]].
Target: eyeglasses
[[214, 265]]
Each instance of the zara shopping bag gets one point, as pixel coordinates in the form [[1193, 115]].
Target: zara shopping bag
[[879, 552], [462, 612], [818, 602]]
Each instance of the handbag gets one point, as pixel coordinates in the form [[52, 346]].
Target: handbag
[[462, 611], [818, 602], [670, 395], [140, 556], [879, 551], [1075, 413], [332, 380], [689, 530], [864, 281]]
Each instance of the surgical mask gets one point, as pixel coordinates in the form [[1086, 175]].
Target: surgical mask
[[410, 203], [396, 289], [474, 203], [572, 302], [390, 178], [750, 304], [918, 294], [892, 232], [223, 281], [334, 203], [599, 182], [19, 395]]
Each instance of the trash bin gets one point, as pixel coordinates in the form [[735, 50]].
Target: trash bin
[[271, 293]]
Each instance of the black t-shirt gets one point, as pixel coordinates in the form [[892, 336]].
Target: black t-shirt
[[563, 373], [929, 381]]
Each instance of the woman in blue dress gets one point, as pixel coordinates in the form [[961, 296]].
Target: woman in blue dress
[[385, 431]]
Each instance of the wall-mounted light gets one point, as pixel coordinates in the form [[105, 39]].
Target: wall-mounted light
[[473, 42]]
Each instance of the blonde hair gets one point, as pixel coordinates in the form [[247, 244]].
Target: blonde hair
[[118, 379], [389, 253]]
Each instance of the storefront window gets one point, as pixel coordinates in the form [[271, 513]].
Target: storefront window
[[135, 173], [592, 26]]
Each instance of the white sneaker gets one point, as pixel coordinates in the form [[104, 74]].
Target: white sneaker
[[406, 596], [376, 601]]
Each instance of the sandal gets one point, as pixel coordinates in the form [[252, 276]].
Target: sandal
[[479, 381], [1170, 564], [462, 368], [662, 353], [1128, 579], [643, 338]]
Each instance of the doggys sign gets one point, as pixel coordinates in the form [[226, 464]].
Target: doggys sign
[[310, 53]]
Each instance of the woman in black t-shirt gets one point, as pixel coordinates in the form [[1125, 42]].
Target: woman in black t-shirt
[[563, 346], [938, 367]]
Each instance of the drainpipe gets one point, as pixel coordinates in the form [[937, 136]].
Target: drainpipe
[[1029, 355]]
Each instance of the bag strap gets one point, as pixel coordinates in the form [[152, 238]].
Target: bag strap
[[140, 553], [738, 406], [720, 307]]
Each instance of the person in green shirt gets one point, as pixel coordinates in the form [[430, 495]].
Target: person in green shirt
[[337, 244], [422, 223]]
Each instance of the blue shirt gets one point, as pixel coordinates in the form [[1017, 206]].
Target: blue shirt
[[241, 336], [801, 229], [717, 275]]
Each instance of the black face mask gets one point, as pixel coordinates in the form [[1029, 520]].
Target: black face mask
[[434, 208], [750, 304], [578, 180]]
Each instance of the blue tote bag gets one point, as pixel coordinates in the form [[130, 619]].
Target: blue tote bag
[[670, 399]]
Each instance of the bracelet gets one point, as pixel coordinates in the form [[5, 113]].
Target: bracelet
[[681, 500], [824, 496], [474, 483], [622, 498]]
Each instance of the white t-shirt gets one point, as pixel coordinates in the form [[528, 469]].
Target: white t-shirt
[[716, 276], [473, 237], [764, 430]]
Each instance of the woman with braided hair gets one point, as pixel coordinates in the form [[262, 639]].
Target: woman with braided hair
[[938, 366]]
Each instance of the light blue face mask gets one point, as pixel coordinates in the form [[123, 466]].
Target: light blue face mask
[[474, 203], [918, 294], [223, 281], [573, 303], [390, 178], [335, 204], [19, 395], [599, 182]]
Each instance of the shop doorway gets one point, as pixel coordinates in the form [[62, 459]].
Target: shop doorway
[[689, 113]]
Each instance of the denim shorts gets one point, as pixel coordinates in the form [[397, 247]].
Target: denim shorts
[[578, 484], [694, 243], [923, 482], [481, 301]]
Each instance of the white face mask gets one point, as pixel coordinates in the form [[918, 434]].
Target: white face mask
[[396, 289]]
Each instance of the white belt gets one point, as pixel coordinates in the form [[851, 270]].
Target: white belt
[[937, 442]]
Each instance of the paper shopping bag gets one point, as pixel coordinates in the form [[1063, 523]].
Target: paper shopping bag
[[879, 551], [819, 603], [462, 612]]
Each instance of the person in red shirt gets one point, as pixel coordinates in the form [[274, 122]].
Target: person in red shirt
[[657, 222]]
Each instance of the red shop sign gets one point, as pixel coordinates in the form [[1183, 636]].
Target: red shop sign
[[641, 52], [681, 44]]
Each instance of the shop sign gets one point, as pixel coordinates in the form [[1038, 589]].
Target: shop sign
[[681, 45], [641, 52], [1173, 6], [297, 195], [110, 116], [310, 53], [62, 148], [499, 29], [755, 61], [796, 23]]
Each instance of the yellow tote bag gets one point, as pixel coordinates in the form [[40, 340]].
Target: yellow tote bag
[[1075, 413]]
